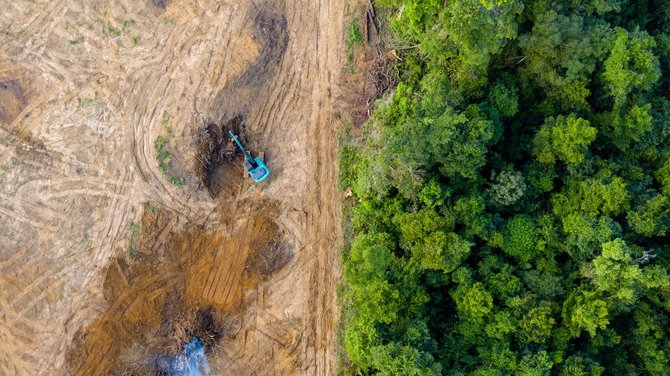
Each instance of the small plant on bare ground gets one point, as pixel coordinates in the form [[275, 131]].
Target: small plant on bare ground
[[163, 155], [134, 232], [354, 38], [119, 31]]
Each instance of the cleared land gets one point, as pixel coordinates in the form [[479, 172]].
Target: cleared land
[[124, 228]]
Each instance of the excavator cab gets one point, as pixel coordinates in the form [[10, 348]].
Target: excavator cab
[[253, 166]]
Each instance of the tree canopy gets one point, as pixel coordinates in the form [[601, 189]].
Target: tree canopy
[[511, 195]]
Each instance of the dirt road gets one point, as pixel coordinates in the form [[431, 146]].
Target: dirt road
[[104, 218]]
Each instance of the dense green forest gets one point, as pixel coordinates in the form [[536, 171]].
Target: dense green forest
[[511, 196]]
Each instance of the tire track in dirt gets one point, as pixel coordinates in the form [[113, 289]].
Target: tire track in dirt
[[97, 108], [302, 128], [171, 262]]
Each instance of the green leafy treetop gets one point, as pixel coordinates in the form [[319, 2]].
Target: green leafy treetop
[[632, 66], [507, 187], [564, 138]]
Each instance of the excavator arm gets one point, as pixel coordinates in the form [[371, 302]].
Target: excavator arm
[[254, 166]]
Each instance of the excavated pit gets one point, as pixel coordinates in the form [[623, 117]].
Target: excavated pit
[[218, 160]]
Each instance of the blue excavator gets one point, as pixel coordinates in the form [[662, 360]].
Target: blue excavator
[[254, 166]]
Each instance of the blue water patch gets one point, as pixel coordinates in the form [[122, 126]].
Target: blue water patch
[[191, 362]]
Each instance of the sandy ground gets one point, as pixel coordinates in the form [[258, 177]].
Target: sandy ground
[[96, 244]]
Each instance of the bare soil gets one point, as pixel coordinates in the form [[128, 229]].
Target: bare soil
[[105, 264]]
